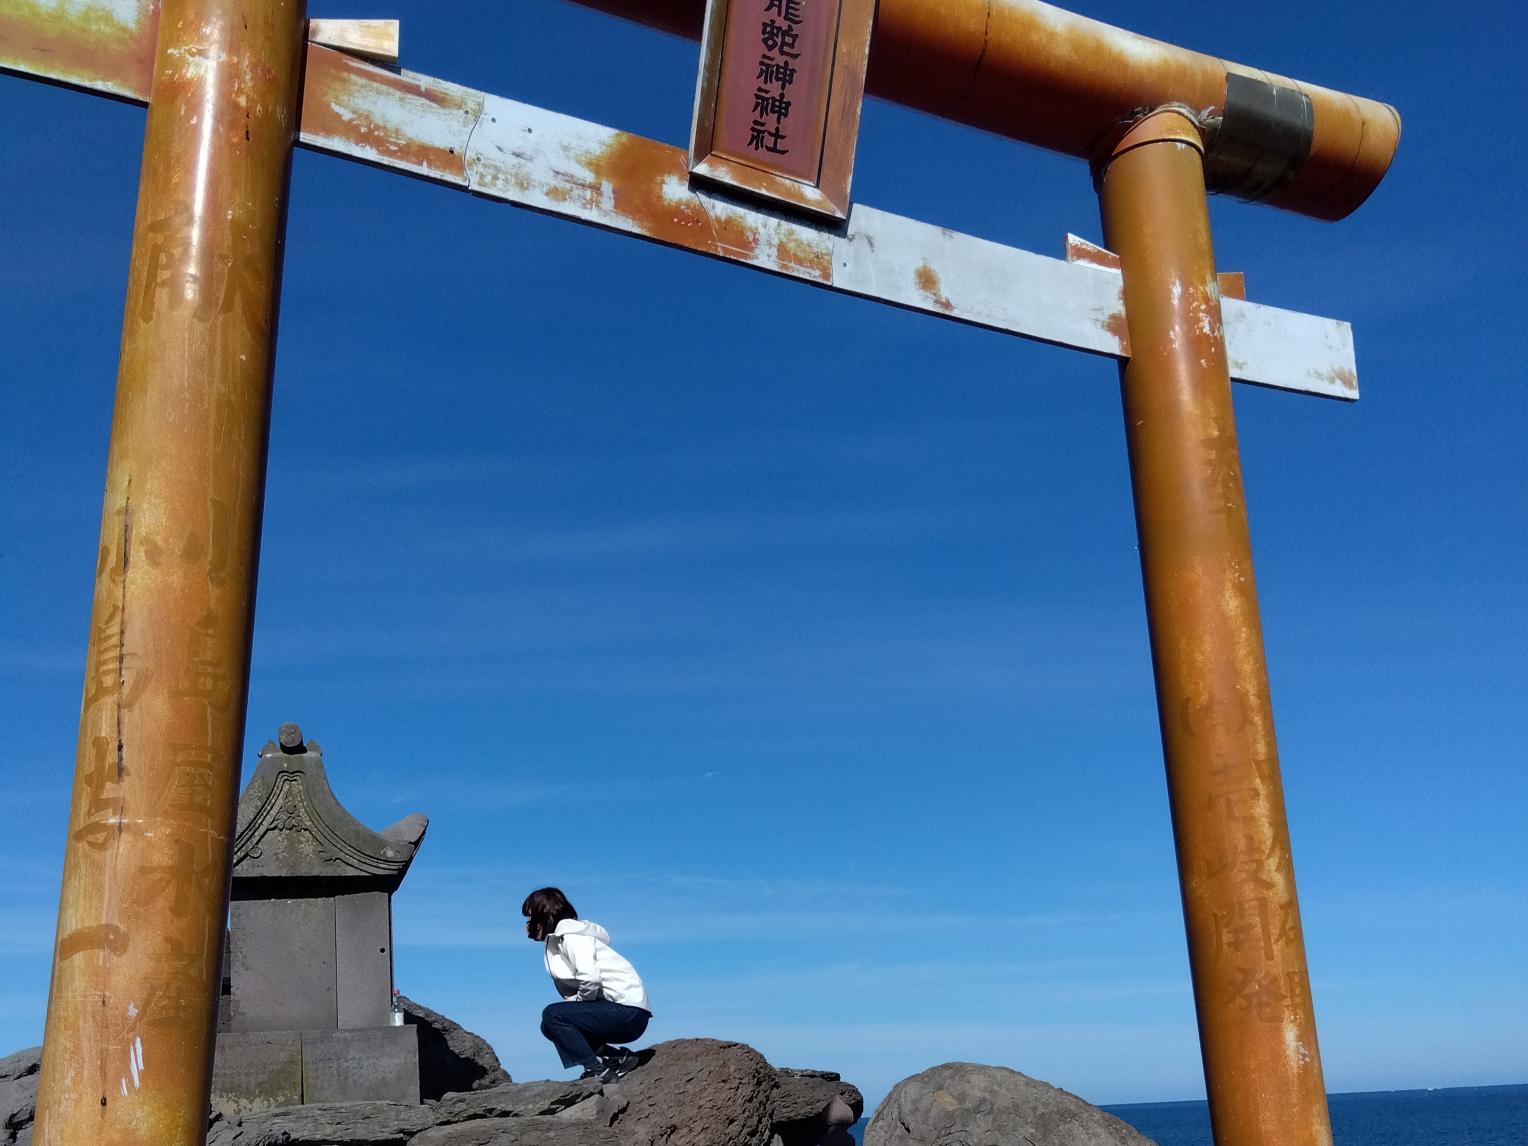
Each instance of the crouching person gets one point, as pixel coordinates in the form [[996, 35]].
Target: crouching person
[[604, 1003]]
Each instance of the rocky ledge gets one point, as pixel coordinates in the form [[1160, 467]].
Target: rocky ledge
[[689, 1092]]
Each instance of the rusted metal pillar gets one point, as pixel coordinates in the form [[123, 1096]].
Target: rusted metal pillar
[[136, 965], [1256, 1023]]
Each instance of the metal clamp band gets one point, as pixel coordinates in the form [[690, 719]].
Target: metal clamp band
[[1264, 135]]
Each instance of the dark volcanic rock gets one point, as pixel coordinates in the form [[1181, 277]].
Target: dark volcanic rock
[[963, 1104], [689, 1092], [18, 1092], [697, 1092], [221, 1132], [516, 1100], [518, 1132], [327, 1124], [21, 1064], [18, 1106], [805, 1112], [450, 1056]]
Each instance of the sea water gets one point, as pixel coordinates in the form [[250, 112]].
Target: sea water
[[1458, 1116]]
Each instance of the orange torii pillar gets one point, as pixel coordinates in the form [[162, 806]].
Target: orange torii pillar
[[1257, 1026], [132, 1006], [1048, 77]]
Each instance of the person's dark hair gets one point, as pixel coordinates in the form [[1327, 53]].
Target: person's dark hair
[[544, 909]]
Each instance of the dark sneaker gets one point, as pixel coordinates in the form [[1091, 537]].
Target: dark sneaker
[[593, 1072], [619, 1066]]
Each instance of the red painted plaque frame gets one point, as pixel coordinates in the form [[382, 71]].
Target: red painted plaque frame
[[824, 87]]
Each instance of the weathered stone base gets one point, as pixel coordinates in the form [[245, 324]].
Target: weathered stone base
[[263, 1070], [256, 1070]]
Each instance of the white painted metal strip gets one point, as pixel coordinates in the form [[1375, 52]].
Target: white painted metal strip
[[582, 171], [945, 273], [1290, 350], [579, 170]]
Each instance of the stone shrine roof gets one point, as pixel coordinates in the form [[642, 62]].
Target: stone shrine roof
[[291, 826]]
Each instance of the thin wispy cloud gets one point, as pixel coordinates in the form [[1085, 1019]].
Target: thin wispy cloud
[[25, 659], [686, 910], [28, 930], [521, 544], [439, 923], [624, 646], [446, 791], [952, 437]]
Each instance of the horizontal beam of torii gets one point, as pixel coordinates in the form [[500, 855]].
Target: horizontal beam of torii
[[512, 152], [144, 900], [1055, 79]]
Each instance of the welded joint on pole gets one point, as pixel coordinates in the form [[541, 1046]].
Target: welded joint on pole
[[1171, 122], [1253, 144]]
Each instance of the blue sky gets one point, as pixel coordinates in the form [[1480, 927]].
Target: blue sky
[[826, 689]]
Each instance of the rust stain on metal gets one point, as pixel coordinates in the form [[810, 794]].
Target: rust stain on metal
[[1079, 250], [92, 47], [518, 180], [649, 189], [804, 259], [330, 62], [337, 104], [927, 279], [1344, 377], [735, 235], [1118, 328], [636, 173]]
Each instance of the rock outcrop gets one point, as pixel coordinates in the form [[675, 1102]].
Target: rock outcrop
[[975, 1105], [18, 1093], [324, 1124], [699, 1092], [517, 1100], [689, 1092], [450, 1056], [517, 1132], [815, 1106]]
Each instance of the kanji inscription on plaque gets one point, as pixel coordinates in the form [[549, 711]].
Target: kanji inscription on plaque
[[778, 100]]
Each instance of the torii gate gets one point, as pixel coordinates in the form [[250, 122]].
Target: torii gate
[[145, 888]]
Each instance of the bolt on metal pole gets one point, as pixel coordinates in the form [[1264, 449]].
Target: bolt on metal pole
[[1246, 950], [132, 1007]]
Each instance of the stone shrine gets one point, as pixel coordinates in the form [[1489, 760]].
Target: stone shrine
[[306, 1012]]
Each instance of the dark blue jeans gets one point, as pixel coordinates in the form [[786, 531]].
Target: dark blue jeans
[[578, 1030]]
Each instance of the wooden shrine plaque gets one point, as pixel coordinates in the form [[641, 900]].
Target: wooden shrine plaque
[[777, 104]]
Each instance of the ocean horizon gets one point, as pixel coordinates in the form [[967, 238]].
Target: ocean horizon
[[1437, 1116]]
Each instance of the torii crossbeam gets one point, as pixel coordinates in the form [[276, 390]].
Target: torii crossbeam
[[141, 919]]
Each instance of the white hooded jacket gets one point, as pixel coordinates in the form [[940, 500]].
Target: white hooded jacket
[[584, 967]]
